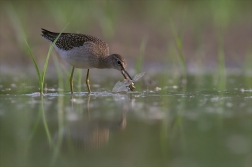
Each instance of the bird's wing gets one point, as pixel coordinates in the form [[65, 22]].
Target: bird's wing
[[68, 41], [92, 48]]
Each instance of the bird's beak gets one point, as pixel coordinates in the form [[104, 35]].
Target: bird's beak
[[127, 76]]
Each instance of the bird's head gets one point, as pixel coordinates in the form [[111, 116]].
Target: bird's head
[[118, 62]]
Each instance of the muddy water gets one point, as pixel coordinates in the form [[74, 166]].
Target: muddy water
[[195, 124]]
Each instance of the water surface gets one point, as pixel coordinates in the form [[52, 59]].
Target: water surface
[[197, 123]]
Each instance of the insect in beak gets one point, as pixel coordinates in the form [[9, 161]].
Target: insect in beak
[[127, 76]]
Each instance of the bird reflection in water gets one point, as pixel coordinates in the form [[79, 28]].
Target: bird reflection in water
[[90, 133]]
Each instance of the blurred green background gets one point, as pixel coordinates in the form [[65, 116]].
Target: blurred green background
[[198, 35], [193, 120]]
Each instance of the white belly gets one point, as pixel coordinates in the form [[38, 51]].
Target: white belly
[[78, 57]]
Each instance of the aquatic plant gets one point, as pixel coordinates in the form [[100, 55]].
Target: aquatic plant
[[41, 75], [178, 36]]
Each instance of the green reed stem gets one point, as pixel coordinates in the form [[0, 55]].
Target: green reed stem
[[47, 59], [34, 62], [48, 134], [221, 64], [139, 62], [16, 22], [179, 43], [79, 71], [248, 68], [59, 72], [41, 77]]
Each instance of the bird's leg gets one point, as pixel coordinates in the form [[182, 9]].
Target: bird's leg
[[87, 82], [71, 80]]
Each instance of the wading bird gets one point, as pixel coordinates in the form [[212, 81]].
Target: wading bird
[[86, 52]]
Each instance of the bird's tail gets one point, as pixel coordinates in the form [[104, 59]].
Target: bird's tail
[[51, 36]]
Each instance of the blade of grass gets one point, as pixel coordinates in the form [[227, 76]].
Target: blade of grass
[[16, 21], [48, 134], [179, 43], [139, 62], [41, 77], [48, 56], [34, 62], [248, 68], [79, 71], [59, 72]]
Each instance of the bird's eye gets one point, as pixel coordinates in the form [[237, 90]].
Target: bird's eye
[[119, 62]]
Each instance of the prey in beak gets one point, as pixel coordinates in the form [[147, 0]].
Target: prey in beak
[[127, 77], [120, 64]]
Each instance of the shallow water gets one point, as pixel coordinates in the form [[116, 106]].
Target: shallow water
[[198, 123]]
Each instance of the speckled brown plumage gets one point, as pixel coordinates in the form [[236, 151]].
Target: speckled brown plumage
[[68, 41]]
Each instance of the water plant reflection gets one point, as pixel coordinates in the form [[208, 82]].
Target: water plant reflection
[[89, 133]]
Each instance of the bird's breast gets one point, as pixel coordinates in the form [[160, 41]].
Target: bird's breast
[[79, 57]]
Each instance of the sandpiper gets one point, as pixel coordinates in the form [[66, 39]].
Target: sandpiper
[[86, 52]]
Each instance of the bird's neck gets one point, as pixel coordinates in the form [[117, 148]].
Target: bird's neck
[[106, 61]]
